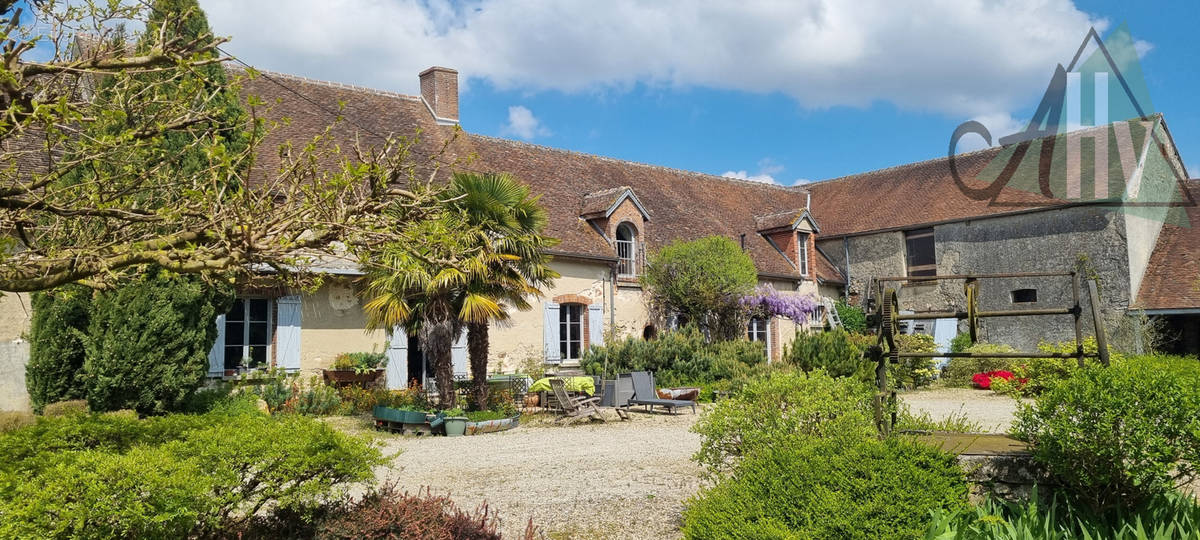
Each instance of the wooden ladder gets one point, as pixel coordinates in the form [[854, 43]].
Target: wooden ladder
[[831, 313]]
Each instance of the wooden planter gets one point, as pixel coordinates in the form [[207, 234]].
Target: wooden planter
[[348, 377]]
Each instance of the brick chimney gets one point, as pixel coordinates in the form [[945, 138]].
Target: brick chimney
[[439, 89]]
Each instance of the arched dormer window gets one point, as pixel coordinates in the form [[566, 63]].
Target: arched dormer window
[[626, 250]]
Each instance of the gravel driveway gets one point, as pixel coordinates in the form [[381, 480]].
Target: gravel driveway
[[611, 480], [991, 410]]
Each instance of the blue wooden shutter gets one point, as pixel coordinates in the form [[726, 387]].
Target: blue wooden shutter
[[216, 356], [458, 355], [596, 324], [287, 333], [397, 359], [550, 333]]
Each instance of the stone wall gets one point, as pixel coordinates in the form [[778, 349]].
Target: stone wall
[[1035, 242], [14, 355]]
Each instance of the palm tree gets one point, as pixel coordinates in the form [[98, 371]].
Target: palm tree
[[479, 254], [504, 207]]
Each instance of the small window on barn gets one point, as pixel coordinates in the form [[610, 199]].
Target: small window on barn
[[918, 245], [1024, 296]]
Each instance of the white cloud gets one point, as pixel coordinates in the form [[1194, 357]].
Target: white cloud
[[767, 169], [743, 175], [962, 58], [523, 124], [998, 125]]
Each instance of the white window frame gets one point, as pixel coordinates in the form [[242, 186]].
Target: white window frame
[[564, 330], [802, 245], [757, 326], [270, 345], [627, 263]]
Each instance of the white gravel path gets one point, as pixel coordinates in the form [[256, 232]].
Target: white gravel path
[[994, 412], [611, 480]]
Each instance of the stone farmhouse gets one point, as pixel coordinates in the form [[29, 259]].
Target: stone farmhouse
[[828, 239]]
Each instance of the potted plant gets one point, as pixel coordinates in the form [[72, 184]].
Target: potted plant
[[455, 422], [358, 368]]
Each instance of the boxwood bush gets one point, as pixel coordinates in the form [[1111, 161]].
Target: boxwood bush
[[114, 476], [774, 410], [837, 487], [1118, 436]]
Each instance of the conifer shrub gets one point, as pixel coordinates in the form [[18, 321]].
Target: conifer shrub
[[148, 342], [57, 334]]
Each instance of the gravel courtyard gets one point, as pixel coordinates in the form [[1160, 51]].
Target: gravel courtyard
[[994, 412], [611, 480]]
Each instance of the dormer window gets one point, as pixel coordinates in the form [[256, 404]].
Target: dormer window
[[626, 250]]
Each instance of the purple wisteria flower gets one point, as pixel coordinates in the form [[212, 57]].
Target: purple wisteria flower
[[767, 300]]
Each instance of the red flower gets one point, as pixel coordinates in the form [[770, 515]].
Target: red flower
[[984, 380]]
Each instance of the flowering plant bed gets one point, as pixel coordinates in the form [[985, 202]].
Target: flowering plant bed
[[984, 380]]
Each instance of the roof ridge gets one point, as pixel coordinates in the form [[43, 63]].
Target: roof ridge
[[791, 189], [334, 84], [964, 154]]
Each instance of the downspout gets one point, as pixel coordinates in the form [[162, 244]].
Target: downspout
[[846, 254]]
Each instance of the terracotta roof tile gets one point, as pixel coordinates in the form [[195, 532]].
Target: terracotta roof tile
[[1172, 279], [915, 194], [683, 204]]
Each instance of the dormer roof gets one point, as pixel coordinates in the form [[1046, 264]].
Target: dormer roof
[[602, 204]]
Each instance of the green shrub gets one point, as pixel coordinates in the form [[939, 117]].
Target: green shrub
[[834, 351], [56, 345], [703, 281], [913, 372], [854, 319], [148, 342], [359, 361], [1166, 517], [961, 342], [842, 487], [775, 409], [958, 371], [1117, 436], [65, 408], [174, 476], [679, 358]]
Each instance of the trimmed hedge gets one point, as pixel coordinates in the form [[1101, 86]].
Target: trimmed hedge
[[842, 487], [114, 476]]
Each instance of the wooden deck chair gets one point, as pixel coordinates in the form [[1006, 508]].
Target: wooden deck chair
[[573, 408]]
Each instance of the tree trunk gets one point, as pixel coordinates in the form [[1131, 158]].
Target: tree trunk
[[477, 349], [439, 338]]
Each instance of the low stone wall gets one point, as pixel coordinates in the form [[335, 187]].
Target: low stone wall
[[994, 463], [1010, 477], [14, 356]]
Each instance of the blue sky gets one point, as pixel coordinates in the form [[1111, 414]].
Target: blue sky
[[806, 91]]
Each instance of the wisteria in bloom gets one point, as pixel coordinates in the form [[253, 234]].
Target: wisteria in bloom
[[768, 301]]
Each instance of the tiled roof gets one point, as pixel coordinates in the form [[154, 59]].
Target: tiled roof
[[1172, 279], [916, 194], [683, 205], [777, 220]]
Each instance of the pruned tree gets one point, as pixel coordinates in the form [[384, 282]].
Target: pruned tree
[[97, 121]]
